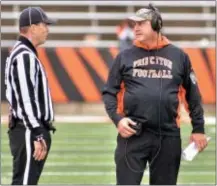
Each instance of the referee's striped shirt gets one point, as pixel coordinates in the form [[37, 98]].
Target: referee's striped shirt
[[26, 86]]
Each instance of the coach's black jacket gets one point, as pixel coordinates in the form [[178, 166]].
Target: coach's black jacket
[[136, 90]]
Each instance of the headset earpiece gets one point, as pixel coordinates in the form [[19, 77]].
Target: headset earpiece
[[156, 21]]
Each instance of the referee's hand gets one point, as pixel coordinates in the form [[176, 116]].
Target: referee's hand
[[40, 149]]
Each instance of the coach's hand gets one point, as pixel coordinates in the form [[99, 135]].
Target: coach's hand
[[200, 140], [40, 148], [124, 129]]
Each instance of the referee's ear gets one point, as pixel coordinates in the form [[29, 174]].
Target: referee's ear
[[24, 29]]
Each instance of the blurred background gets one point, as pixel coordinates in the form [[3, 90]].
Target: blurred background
[[77, 57]]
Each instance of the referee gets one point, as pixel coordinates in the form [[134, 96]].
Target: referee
[[27, 91]]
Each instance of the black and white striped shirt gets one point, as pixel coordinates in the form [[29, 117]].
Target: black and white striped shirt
[[26, 85]]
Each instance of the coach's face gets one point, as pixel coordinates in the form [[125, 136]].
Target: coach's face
[[40, 33], [142, 30]]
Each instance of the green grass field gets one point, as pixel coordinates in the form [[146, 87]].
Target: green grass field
[[83, 154]]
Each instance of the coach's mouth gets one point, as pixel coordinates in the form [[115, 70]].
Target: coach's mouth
[[139, 34]]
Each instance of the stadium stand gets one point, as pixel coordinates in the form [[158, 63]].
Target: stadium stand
[[188, 24], [82, 45]]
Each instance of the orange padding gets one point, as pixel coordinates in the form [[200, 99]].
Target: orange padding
[[203, 74], [90, 90], [57, 92], [78, 74]]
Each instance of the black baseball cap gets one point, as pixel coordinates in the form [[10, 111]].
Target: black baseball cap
[[34, 15]]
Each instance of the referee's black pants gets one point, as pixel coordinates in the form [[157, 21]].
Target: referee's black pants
[[132, 155], [26, 170]]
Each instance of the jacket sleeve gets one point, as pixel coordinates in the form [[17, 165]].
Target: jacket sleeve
[[24, 73], [111, 89], [193, 97]]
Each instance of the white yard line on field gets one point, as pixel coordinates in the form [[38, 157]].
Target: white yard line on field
[[73, 119], [97, 164], [84, 155], [144, 182], [82, 142], [109, 173], [65, 156], [209, 120], [83, 149]]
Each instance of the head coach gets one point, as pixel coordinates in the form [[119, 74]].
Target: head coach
[[141, 97]]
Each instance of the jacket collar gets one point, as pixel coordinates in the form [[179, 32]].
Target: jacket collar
[[26, 42], [162, 42]]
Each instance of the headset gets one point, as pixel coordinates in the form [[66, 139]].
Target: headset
[[156, 21]]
